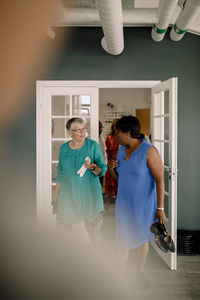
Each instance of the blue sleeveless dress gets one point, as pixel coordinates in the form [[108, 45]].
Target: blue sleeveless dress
[[136, 201]]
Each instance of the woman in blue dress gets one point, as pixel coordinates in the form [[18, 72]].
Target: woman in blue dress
[[78, 189], [140, 196]]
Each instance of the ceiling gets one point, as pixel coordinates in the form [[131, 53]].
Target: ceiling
[[136, 13]]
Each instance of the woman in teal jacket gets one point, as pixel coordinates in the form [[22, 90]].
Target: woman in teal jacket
[[78, 189]]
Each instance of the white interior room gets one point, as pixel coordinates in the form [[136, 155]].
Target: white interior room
[[116, 102]]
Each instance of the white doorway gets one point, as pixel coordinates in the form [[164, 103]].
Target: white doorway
[[114, 103], [68, 92]]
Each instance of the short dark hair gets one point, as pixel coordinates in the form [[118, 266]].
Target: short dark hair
[[129, 124]]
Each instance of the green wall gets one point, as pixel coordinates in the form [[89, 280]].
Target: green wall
[[82, 58]]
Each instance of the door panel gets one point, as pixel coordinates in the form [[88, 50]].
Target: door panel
[[164, 137], [57, 105]]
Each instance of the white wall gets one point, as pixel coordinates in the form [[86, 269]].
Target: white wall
[[124, 100]]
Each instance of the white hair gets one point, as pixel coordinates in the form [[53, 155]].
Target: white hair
[[73, 121]]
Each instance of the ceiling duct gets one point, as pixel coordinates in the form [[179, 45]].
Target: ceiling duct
[[110, 13], [165, 12], [190, 11], [90, 17]]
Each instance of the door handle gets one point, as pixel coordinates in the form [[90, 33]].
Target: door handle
[[169, 170]]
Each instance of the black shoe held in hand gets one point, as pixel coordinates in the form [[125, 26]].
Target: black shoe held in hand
[[163, 239]]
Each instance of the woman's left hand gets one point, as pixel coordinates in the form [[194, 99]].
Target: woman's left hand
[[160, 214]]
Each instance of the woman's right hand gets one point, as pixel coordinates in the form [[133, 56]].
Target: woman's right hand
[[161, 216], [112, 164]]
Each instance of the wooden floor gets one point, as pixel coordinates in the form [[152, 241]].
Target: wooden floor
[[183, 284]]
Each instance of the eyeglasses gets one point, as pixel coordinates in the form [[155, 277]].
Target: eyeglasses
[[80, 130]]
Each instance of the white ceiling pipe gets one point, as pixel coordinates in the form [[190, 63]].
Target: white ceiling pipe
[[90, 17], [110, 12], [165, 12], [186, 17], [139, 16]]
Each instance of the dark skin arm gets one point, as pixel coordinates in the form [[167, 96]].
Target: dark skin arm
[[112, 164], [155, 165]]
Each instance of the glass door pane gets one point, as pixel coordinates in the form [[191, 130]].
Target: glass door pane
[[58, 128], [54, 172], [64, 107], [81, 105], [166, 207], [58, 105]]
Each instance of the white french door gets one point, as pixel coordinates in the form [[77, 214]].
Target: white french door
[[56, 104], [57, 101], [164, 137]]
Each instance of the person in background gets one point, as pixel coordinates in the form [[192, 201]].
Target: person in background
[[140, 197], [112, 147], [103, 148], [78, 189]]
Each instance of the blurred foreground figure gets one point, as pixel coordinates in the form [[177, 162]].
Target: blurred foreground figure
[[40, 264], [23, 49], [36, 263]]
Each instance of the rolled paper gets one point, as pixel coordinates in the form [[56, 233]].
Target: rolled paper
[[83, 169]]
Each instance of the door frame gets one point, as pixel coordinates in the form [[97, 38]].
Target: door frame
[[45, 84], [41, 84]]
